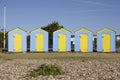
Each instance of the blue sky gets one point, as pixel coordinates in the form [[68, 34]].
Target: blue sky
[[73, 14]]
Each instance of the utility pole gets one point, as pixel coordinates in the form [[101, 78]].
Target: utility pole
[[4, 26]]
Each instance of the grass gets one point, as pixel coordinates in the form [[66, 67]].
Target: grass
[[8, 59], [61, 56], [46, 69]]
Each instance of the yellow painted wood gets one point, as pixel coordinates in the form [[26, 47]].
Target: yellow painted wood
[[39, 42], [83, 42], [106, 42], [61, 42], [17, 42]]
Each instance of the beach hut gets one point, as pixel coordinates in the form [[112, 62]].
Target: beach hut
[[38, 40], [62, 40], [17, 40], [106, 40], [84, 40]]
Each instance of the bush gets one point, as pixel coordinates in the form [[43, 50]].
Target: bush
[[46, 70]]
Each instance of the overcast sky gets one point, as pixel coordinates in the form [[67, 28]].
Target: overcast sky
[[72, 14]]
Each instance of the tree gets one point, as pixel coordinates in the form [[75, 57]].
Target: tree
[[1, 39], [95, 45], [51, 28]]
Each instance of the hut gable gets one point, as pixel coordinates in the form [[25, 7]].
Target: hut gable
[[106, 30], [16, 29], [38, 29], [62, 30], [82, 30]]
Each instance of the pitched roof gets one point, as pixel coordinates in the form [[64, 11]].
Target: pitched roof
[[81, 29], [62, 29], [103, 29], [17, 28], [38, 29]]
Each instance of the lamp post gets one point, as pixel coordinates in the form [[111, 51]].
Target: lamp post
[[4, 26]]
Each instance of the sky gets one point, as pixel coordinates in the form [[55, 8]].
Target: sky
[[72, 14]]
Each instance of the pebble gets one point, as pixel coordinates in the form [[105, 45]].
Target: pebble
[[76, 70]]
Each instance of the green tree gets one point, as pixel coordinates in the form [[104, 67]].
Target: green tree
[[51, 28]]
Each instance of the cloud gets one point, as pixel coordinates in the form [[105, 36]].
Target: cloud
[[92, 3], [95, 10]]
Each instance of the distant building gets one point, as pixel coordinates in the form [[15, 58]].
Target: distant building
[[94, 37], [117, 37], [73, 39], [118, 43]]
